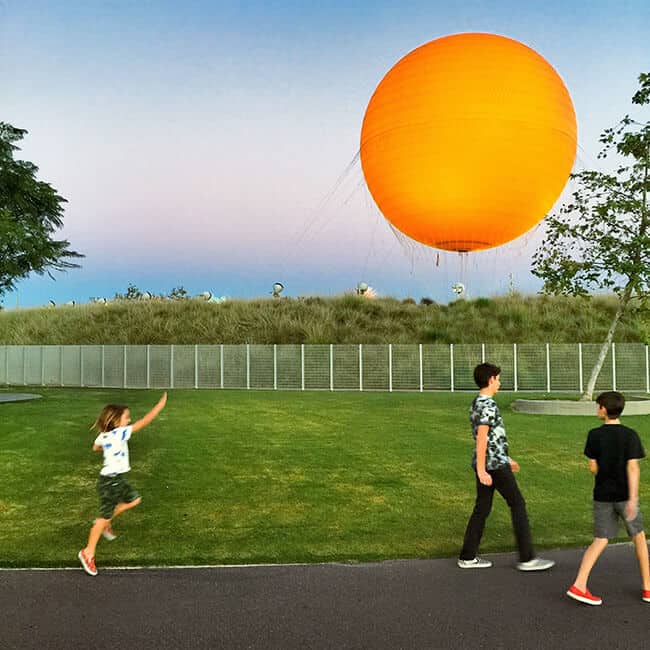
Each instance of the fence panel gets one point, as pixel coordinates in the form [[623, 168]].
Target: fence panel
[[261, 366], [209, 366], [91, 365], [289, 367], [323, 367], [234, 366], [531, 367], [346, 367], [33, 365], [436, 367], [136, 366], [375, 367], [406, 367], [317, 367], [503, 356], [630, 367]]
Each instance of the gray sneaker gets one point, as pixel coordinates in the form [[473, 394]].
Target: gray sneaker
[[476, 563], [536, 564]]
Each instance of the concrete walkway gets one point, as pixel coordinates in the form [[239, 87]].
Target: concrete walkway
[[399, 604]]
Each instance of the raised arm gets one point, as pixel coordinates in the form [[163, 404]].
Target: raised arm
[[143, 422], [633, 473]]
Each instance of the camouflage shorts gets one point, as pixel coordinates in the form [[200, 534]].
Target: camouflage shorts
[[113, 490]]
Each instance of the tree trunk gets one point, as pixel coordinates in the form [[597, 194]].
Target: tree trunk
[[622, 304]]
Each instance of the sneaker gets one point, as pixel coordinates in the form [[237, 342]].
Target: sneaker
[[586, 596], [87, 563], [536, 564], [108, 534], [645, 596], [476, 563]]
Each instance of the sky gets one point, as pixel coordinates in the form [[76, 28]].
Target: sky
[[212, 145]]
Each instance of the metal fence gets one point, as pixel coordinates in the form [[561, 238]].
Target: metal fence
[[525, 367]]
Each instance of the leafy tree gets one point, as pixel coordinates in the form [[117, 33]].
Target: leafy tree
[[132, 293], [178, 293], [601, 239], [30, 212]]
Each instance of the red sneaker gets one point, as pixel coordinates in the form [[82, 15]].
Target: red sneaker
[[645, 596], [583, 596], [87, 563]]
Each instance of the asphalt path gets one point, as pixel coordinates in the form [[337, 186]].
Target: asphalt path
[[395, 604]]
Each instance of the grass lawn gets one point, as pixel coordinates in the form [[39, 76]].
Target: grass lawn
[[245, 477]]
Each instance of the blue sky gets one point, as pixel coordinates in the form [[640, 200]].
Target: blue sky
[[200, 143]]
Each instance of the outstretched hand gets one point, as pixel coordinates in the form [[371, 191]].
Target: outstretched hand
[[514, 465]]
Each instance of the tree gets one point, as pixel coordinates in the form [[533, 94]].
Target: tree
[[601, 239], [30, 212]]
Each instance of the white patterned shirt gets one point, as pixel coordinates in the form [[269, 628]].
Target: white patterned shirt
[[116, 450], [484, 410]]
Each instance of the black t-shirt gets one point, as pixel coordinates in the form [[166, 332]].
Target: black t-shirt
[[611, 446]]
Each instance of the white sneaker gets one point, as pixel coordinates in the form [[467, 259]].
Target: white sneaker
[[476, 563], [536, 564], [108, 534]]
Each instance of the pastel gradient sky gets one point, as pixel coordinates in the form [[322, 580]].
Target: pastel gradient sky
[[200, 143]]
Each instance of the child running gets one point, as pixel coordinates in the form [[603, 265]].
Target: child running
[[494, 471], [614, 451], [115, 494]]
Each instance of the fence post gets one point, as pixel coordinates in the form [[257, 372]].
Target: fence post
[[24, 368], [124, 364], [302, 366], [331, 366], [613, 366], [482, 352], [171, 366], [548, 368], [360, 366], [248, 366], [275, 366], [421, 376], [647, 371], [390, 367], [103, 368], [221, 363], [196, 366], [61, 365], [451, 365], [514, 359], [42, 366], [81, 365], [7, 365], [148, 366], [580, 366]]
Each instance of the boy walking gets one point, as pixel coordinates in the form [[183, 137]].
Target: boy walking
[[494, 471], [614, 451]]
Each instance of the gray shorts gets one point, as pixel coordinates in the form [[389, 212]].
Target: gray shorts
[[607, 515]]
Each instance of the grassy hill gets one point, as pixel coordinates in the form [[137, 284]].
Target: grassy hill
[[344, 319]]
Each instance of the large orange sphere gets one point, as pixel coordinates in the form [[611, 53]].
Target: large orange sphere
[[468, 141]]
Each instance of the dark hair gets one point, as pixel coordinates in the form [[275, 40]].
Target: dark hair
[[483, 372], [613, 402]]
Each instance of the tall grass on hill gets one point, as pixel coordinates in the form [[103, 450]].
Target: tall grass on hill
[[313, 320]]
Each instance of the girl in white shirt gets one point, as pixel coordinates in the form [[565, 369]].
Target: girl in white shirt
[[115, 494]]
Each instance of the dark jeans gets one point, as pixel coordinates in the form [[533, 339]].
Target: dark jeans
[[503, 480]]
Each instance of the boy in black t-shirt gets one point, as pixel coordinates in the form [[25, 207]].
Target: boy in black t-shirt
[[614, 451]]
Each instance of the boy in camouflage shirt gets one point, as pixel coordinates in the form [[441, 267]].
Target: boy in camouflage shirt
[[494, 471]]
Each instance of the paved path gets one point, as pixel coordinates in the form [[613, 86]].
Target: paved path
[[401, 604]]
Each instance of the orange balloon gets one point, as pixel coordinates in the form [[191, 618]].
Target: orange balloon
[[468, 141]]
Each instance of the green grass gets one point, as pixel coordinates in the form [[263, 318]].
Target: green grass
[[315, 320], [247, 477]]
